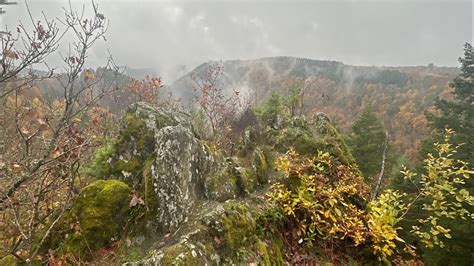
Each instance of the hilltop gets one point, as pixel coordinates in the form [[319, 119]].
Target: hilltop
[[399, 95]]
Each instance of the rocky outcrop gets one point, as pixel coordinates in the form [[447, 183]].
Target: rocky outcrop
[[308, 136], [216, 233], [181, 201], [160, 155], [185, 171]]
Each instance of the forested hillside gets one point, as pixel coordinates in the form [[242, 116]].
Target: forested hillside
[[399, 95]]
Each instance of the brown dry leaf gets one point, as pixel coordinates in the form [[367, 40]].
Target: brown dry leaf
[[76, 227], [89, 75], [41, 122], [56, 154], [25, 131], [217, 242], [136, 200], [11, 54]]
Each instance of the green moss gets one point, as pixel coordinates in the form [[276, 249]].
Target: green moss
[[8, 260], [143, 220], [229, 236], [238, 233], [100, 213], [307, 142], [299, 139], [100, 165], [244, 178], [246, 181], [270, 252], [262, 252], [269, 228], [135, 127], [260, 166], [238, 224], [334, 140], [221, 186], [150, 198], [276, 250], [132, 165], [243, 240], [130, 253], [134, 136], [187, 254]]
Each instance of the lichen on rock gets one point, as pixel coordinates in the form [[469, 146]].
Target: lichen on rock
[[176, 174], [219, 234]]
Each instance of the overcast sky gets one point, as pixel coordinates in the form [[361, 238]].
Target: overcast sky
[[173, 36]]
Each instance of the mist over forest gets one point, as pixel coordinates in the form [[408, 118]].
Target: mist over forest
[[236, 132]]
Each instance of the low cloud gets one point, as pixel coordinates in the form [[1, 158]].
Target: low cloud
[[172, 37]]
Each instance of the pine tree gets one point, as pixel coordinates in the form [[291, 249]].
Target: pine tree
[[458, 114], [273, 111], [367, 143]]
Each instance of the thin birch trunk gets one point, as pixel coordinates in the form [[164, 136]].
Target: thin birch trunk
[[382, 170]]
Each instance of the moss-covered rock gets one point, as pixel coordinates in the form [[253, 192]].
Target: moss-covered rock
[[219, 234], [8, 260], [309, 136], [186, 253], [159, 155], [240, 240], [321, 125], [196, 202], [246, 180], [221, 186], [135, 144], [260, 166], [97, 218]]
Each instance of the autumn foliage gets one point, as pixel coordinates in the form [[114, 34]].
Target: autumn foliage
[[323, 200], [145, 90]]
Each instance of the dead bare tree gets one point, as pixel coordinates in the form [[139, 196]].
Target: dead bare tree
[[23, 49], [219, 109], [382, 168], [46, 141]]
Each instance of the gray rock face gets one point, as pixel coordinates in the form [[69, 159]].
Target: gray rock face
[[176, 174], [158, 117], [183, 168]]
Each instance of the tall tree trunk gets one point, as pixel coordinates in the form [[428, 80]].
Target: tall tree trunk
[[382, 169], [302, 101]]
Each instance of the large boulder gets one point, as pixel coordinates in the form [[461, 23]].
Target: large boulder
[[96, 220], [159, 154], [185, 171]]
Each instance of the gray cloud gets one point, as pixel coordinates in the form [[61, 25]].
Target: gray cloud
[[174, 36]]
